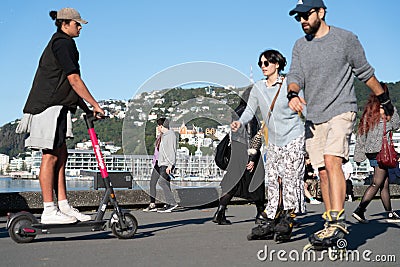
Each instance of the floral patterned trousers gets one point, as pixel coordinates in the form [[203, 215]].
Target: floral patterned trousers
[[286, 163]]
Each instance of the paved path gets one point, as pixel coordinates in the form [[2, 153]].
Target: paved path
[[189, 238]]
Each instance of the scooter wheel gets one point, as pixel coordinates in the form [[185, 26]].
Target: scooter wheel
[[16, 229], [129, 230]]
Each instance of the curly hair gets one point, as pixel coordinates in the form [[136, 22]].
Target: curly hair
[[371, 114]]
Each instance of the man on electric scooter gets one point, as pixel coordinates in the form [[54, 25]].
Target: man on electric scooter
[[57, 89]]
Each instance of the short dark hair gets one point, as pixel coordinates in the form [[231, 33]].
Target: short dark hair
[[53, 15], [163, 122], [274, 56]]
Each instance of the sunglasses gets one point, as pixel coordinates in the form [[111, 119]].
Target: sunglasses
[[305, 16], [261, 63]]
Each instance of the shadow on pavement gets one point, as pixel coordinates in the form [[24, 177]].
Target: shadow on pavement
[[162, 226], [360, 233]]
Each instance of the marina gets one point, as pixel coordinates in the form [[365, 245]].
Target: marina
[[9, 184]]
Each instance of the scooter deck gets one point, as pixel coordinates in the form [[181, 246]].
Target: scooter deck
[[69, 228]]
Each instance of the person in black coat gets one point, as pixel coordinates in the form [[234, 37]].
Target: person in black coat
[[245, 173]]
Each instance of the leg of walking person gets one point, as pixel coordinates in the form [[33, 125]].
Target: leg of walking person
[[219, 216], [165, 183], [260, 207], [385, 194], [377, 181], [391, 216], [155, 175]]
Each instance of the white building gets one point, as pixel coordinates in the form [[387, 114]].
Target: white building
[[4, 161]]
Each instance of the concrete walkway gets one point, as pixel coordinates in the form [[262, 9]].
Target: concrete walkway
[[187, 237]]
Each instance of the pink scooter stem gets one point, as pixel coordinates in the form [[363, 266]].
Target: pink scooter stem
[[97, 152]]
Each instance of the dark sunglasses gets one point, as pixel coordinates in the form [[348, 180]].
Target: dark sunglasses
[[305, 16], [261, 63]]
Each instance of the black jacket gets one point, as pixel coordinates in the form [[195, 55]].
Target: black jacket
[[50, 85]]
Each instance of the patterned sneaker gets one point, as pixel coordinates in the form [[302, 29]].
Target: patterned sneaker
[[167, 208], [392, 217], [151, 207], [56, 217], [71, 211]]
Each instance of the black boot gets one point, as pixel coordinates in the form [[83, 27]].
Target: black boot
[[358, 214], [219, 216], [261, 215]]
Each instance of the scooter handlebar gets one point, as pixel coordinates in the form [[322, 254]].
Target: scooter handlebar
[[90, 118]]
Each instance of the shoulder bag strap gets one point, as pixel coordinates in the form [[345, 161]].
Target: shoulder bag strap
[[271, 108]]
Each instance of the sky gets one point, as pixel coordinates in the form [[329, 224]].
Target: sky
[[126, 42]]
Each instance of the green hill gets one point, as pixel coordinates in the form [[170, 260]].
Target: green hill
[[111, 129]]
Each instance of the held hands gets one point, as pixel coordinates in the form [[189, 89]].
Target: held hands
[[235, 125], [168, 170]]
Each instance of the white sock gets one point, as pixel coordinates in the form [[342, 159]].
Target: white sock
[[48, 207], [63, 204]]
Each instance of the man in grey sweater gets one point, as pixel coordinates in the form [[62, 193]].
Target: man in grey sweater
[[323, 64]]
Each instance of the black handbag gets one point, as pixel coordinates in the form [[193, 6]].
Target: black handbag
[[223, 153]]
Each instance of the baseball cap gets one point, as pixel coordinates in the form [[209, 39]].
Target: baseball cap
[[70, 13], [306, 5]]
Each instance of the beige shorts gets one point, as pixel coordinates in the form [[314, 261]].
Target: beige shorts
[[329, 138]]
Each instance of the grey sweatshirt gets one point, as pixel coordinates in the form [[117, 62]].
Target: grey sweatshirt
[[167, 150], [371, 142], [325, 68], [284, 125]]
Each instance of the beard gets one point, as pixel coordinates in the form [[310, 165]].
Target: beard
[[312, 30]]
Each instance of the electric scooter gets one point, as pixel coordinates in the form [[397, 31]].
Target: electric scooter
[[24, 226]]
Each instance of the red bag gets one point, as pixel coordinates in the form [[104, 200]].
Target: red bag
[[387, 157]]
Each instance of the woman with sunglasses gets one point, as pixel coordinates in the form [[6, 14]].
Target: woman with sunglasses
[[284, 168]]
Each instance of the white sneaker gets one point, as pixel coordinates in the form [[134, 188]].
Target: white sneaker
[[151, 207], [56, 217], [315, 202], [71, 211], [167, 208]]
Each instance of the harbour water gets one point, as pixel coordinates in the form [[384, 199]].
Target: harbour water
[[8, 184]]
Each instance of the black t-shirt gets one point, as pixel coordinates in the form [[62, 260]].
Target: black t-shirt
[[67, 55]]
